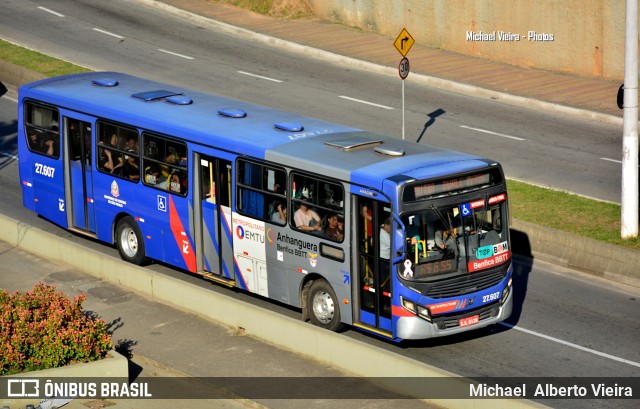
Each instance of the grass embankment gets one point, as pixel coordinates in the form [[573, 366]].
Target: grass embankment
[[545, 207], [36, 61]]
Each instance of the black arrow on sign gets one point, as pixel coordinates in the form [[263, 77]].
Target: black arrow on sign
[[403, 41]]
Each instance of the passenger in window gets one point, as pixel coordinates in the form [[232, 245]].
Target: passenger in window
[[46, 146], [280, 214], [183, 159], [151, 150], [175, 184], [333, 230], [385, 239], [307, 219], [34, 142], [152, 174], [131, 168], [132, 144], [172, 157], [445, 239], [367, 215], [111, 161], [329, 200]]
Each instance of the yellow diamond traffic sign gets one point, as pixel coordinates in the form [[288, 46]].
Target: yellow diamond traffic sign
[[404, 42]]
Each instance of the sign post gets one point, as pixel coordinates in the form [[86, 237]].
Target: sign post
[[403, 44], [403, 70]]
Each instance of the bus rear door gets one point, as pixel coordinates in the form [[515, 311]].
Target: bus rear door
[[212, 217], [79, 177]]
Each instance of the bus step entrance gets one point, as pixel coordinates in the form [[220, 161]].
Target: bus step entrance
[[83, 232], [216, 278]]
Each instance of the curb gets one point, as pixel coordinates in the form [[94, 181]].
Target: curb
[[12, 75], [587, 255], [349, 355]]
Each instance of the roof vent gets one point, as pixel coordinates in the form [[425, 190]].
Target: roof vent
[[105, 82], [390, 150], [232, 113], [155, 95], [289, 126], [353, 143], [179, 100]]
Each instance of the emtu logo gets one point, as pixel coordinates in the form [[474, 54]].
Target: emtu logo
[[240, 232], [270, 236]]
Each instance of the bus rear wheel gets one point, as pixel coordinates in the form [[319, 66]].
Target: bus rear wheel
[[323, 307], [130, 242]]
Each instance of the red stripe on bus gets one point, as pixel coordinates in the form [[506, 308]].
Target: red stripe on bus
[[401, 312], [183, 242]]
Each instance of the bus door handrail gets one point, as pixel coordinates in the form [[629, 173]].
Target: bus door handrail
[[401, 257]]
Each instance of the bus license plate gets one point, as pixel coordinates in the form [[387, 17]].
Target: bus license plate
[[465, 322]]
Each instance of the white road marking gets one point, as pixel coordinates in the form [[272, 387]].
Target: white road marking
[[176, 54], [258, 76], [365, 102], [569, 344], [492, 133], [612, 160], [8, 155], [50, 11], [10, 99], [108, 33]]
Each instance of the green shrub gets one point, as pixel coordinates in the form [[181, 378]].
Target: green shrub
[[42, 329]]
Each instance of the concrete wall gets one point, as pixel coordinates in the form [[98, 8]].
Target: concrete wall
[[588, 35]]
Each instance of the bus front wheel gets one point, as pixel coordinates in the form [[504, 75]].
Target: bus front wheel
[[323, 307], [130, 242]]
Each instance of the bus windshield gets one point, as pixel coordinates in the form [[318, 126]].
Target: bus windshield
[[456, 238]]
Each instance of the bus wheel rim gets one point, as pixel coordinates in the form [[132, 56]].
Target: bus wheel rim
[[129, 242], [323, 307]]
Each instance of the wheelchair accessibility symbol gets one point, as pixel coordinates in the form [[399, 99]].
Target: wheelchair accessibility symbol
[[465, 209], [162, 203]]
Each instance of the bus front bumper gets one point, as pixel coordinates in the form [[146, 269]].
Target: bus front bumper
[[418, 328]]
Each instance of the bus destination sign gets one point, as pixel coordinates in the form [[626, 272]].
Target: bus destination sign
[[439, 187]]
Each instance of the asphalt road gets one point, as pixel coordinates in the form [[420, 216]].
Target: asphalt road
[[564, 324], [122, 35]]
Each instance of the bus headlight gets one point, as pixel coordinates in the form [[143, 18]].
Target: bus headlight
[[506, 291], [424, 313], [408, 305]]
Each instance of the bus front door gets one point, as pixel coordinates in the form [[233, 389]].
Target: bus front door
[[79, 178], [373, 280], [212, 217]]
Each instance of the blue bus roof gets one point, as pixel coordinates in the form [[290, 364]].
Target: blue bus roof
[[338, 151]]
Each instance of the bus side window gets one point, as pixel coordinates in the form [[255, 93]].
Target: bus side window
[[317, 206], [260, 187], [165, 164], [42, 130], [117, 152]]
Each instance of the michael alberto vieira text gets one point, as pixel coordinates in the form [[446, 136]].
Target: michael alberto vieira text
[[549, 390]]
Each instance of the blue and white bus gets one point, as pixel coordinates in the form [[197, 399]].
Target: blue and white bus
[[403, 240]]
